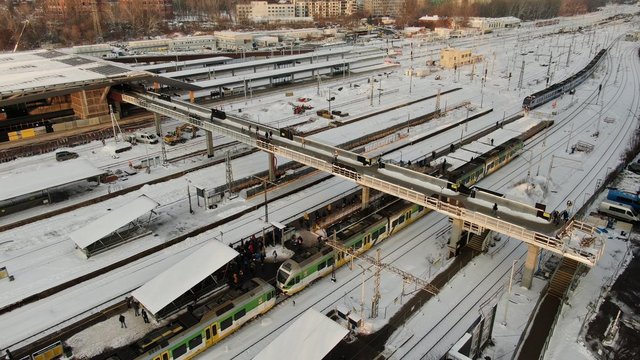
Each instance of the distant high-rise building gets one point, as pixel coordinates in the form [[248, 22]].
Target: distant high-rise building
[[290, 10]]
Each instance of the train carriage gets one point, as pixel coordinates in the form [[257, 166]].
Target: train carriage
[[557, 89], [310, 264], [217, 322]]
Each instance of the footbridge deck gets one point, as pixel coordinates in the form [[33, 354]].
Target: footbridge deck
[[576, 240]]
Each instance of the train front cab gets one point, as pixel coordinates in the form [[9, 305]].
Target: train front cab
[[288, 277]]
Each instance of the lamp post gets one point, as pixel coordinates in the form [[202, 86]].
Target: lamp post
[[330, 100], [266, 205], [189, 196]]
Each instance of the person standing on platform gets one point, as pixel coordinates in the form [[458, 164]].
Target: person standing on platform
[[145, 317], [123, 324]]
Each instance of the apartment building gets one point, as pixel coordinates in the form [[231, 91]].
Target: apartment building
[[294, 10]]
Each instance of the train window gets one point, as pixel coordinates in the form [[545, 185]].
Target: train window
[[179, 351], [195, 342], [357, 245], [401, 219], [239, 314], [394, 223], [297, 280], [224, 324], [322, 265], [269, 295], [420, 208], [165, 356], [330, 261], [214, 330], [207, 333]]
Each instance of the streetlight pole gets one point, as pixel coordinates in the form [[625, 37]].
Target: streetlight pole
[[189, 196]]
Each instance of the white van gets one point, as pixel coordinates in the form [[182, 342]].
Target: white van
[[619, 211], [143, 137]]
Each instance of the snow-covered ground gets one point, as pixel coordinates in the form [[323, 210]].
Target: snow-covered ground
[[40, 254]]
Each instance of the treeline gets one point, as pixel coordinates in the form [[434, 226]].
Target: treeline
[[522, 9], [77, 25]]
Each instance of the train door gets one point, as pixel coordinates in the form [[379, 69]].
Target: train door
[[163, 356], [210, 334], [367, 239]]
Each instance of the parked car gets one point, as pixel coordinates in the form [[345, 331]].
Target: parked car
[[66, 155], [144, 137]]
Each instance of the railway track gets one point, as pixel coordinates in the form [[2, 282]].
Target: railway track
[[491, 290], [112, 267]]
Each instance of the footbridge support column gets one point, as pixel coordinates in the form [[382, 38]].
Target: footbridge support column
[[209, 143], [530, 266], [456, 234], [272, 167], [158, 121], [365, 197]]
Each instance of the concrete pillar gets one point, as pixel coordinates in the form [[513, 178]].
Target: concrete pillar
[[158, 122], [530, 265], [365, 197], [272, 167], [209, 143], [456, 233]]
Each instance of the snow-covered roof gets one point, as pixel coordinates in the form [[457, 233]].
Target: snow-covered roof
[[284, 71], [47, 69], [175, 281], [13, 185], [250, 64], [310, 337], [111, 222], [194, 62]]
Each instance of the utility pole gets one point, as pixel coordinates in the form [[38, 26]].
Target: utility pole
[[406, 277], [370, 96], [521, 75], [438, 101], [230, 173], [549, 68], [569, 54], [375, 301], [473, 70]]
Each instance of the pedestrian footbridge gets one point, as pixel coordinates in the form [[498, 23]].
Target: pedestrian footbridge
[[576, 240]]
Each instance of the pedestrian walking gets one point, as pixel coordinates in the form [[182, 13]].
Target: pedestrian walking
[[123, 324], [275, 255], [145, 317], [495, 208], [136, 308], [9, 355]]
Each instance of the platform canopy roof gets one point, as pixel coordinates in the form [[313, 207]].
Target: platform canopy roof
[[310, 337], [13, 184], [112, 221], [181, 64], [32, 75], [253, 63], [239, 79], [187, 273]]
